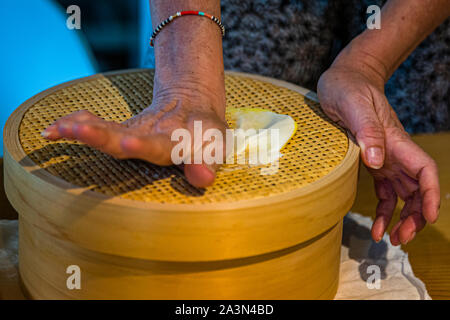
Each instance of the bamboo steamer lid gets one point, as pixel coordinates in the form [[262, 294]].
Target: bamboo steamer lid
[[131, 224]]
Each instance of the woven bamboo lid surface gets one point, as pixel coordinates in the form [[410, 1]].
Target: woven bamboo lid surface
[[136, 209], [316, 149]]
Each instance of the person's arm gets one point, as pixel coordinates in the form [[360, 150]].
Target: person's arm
[[188, 52], [188, 86], [351, 92], [404, 25]]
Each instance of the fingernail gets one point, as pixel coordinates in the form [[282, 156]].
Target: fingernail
[[377, 238], [375, 157], [45, 134]]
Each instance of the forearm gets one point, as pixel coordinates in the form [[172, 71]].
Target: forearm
[[404, 24], [188, 51]]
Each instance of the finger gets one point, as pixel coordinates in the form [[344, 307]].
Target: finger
[[199, 175], [153, 148], [105, 136], [61, 129], [53, 131], [213, 153], [385, 208], [400, 189], [409, 184], [423, 169], [406, 208], [395, 241], [410, 226], [395, 236], [203, 174], [99, 134], [430, 192], [91, 130], [364, 124], [412, 219]]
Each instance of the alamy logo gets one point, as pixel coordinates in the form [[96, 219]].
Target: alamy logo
[[74, 280], [255, 147], [74, 20], [374, 20], [373, 281]]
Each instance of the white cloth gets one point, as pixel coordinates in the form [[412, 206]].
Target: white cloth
[[358, 252]]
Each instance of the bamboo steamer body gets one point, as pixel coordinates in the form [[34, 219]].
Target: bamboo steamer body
[[247, 237]]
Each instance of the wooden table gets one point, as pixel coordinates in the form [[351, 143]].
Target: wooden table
[[429, 253]]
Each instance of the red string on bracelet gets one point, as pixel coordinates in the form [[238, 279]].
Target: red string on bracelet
[[184, 13]]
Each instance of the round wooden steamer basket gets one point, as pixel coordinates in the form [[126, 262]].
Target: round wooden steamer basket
[[141, 231]]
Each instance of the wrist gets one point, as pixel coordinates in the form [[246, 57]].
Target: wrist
[[189, 64], [192, 93], [355, 57]]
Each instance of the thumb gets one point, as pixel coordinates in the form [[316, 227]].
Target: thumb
[[369, 133], [212, 152], [200, 175]]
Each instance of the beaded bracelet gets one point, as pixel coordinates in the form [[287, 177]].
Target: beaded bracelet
[[185, 13]]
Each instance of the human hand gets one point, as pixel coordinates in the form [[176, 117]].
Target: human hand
[[353, 96], [188, 86], [147, 136]]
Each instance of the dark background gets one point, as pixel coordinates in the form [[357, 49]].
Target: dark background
[[111, 29]]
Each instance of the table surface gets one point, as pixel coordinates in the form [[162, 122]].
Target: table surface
[[429, 253]]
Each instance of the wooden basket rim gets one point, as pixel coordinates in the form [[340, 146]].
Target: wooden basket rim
[[13, 145]]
